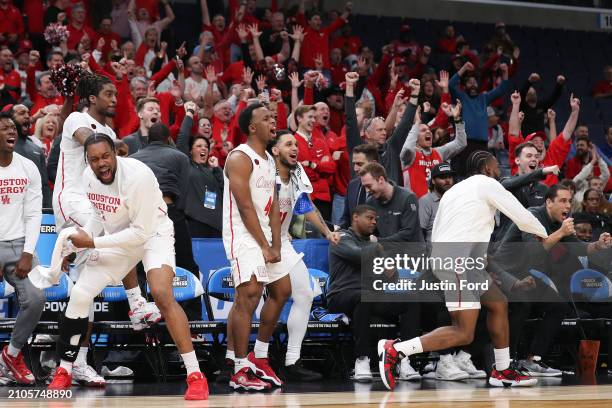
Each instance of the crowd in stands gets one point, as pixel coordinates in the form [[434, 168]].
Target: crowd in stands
[[382, 128]]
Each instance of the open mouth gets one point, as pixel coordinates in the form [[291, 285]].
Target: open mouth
[[153, 120], [11, 141], [105, 174], [325, 118], [203, 156], [293, 156], [533, 166], [564, 214]]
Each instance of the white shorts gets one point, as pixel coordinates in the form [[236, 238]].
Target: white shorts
[[457, 306], [250, 261], [116, 263], [73, 210]]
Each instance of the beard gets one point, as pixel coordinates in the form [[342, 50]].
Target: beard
[[286, 163]]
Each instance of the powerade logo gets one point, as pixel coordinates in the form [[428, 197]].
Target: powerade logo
[[47, 229], [227, 282]]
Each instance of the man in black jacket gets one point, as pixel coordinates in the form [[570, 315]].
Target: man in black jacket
[[557, 257], [347, 285], [397, 211], [27, 148], [355, 193], [148, 114]]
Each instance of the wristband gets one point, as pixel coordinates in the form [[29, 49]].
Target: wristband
[[458, 119], [191, 111], [414, 96]]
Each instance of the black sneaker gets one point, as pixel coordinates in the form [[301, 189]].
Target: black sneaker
[[296, 372], [226, 372]]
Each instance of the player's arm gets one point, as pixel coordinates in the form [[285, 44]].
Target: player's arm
[[316, 219], [81, 134], [32, 213], [238, 169]]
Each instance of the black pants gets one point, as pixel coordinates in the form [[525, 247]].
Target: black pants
[[198, 229], [184, 257], [523, 304], [361, 314], [325, 208]]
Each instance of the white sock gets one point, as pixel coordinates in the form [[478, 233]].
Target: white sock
[[446, 357], [191, 362], [502, 358], [134, 297], [66, 365], [12, 350], [81, 359], [239, 364], [409, 347], [229, 354], [462, 355], [293, 354], [260, 349]]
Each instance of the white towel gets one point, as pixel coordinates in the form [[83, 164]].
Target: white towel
[[44, 277]]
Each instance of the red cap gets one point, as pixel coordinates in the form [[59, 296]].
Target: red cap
[[533, 135], [25, 45], [7, 107]]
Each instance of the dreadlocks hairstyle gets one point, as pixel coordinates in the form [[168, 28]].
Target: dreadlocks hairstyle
[[98, 138], [91, 84], [476, 162]]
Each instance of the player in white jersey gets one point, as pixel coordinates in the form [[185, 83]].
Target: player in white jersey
[[251, 236], [20, 216], [130, 212], [462, 229], [293, 185], [70, 204]]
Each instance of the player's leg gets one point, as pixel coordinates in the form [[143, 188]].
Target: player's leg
[[31, 304], [302, 295], [278, 293], [158, 261], [227, 370], [504, 373], [142, 314]]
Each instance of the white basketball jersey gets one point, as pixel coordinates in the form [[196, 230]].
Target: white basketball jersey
[[262, 186], [286, 201]]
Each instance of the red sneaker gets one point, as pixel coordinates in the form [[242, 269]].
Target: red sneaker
[[61, 380], [246, 380], [17, 367], [197, 387], [511, 377], [263, 370], [388, 357]]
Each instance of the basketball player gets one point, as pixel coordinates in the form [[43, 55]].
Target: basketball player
[[129, 209], [291, 182], [465, 219], [251, 236], [20, 216], [70, 204]]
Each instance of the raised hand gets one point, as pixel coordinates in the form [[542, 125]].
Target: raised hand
[[515, 98], [457, 109], [534, 77], [294, 77], [181, 51], [560, 79], [211, 75], [310, 77], [415, 86], [468, 66], [399, 98], [298, 33], [551, 114], [261, 83], [318, 61], [254, 30], [574, 103], [247, 76], [242, 32], [426, 107], [443, 82]]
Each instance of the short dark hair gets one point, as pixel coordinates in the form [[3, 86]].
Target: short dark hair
[[196, 138], [279, 134], [582, 137], [362, 209], [370, 151], [551, 194], [246, 116], [91, 84], [313, 13], [519, 149], [98, 138], [159, 132], [375, 169], [141, 102], [468, 75], [301, 111], [52, 53], [476, 161], [569, 183], [586, 194], [7, 114]]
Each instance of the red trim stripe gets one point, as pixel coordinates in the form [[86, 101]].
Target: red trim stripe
[[59, 196], [160, 209], [232, 228], [72, 219], [239, 278]]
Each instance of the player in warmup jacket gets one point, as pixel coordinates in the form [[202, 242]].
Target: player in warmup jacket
[[129, 224]]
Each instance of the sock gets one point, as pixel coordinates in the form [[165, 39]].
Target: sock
[[502, 358], [462, 355], [229, 354], [12, 350], [191, 362], [134, 297], [409, 347], [66, 365], [446, 357], [81, 359], [293, 354], [239, 364], [261, 349]]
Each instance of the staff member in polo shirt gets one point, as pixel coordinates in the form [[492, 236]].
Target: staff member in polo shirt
[[441, 180]]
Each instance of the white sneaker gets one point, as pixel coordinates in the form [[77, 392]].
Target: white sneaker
[[464, 362], [87, 376], [120, 371], [145, 315], [447, 369], [362, 370], [407, 372]]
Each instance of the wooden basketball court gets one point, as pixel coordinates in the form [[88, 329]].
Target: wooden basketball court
[[452, 395]]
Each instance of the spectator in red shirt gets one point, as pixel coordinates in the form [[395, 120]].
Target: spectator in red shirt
[[407, 45], [448, 42], [105, 31], [77, 27], [338, 68], [348, 43], [10, 77], [11, 24], [316, 39], [582, 156], [314, 155], [603, 88]]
